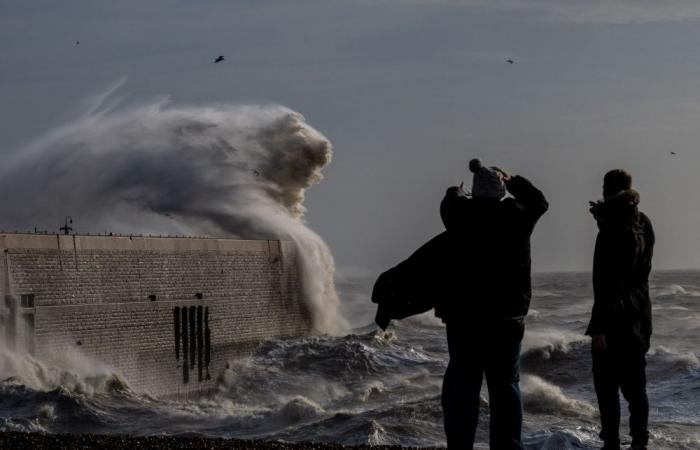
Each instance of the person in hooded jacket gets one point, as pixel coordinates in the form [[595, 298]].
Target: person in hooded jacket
[[620, 324], [485, 302]]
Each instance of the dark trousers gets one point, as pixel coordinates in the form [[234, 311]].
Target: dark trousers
[[491, 349], [621, 368]]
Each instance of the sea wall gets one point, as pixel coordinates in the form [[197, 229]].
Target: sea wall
[[167, 313]]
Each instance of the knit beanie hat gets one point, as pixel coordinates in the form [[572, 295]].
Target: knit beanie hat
[[487, 182]]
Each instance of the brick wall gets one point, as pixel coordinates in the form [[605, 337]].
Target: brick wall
[[164, 312]]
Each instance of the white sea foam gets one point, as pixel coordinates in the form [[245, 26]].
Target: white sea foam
[[70, 370], [675, 289], [669, 360], [377, 434], [300, 409], [427, 318], [550, 340], [47, 412], [372, 390], [542, 397], [539, 293]]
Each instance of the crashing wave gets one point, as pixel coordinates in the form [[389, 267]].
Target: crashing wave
[[664, 362], [675, 290], [300, 409], [223, 170], [542, 397], [69, 370]]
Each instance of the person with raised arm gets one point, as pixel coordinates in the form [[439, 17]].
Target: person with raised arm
[[487, 302], [620, 325]]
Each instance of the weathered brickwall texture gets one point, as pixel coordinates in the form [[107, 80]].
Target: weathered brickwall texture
[[167, 313]]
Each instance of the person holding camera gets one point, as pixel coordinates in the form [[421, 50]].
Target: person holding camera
[[488, 299]]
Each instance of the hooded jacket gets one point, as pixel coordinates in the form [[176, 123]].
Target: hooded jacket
[[490, 270], [621, 268]]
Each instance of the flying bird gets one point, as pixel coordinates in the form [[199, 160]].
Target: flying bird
[[219, 59], [510, 61], [77, 42], [673, 153]]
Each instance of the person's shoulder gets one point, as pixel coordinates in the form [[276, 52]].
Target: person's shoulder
[[510, 204], [508, 210], [454, 192], [646, 222]]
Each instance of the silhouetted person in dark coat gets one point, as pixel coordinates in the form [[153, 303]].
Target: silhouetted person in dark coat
[[621, 320], [489, 298]]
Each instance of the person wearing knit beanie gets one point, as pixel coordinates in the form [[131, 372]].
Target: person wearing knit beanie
[[483, 298], [488, 181]]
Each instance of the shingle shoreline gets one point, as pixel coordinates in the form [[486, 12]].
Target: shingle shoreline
[[38, 441]]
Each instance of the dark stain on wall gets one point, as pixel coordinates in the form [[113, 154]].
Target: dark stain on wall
[[192, 334], [200, 341], [185, 349], [176, 324], [207, 342]]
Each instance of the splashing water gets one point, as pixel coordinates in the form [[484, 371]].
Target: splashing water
[[378, 387], [238, 171], [69, 370]]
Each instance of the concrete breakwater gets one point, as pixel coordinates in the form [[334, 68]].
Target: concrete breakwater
[[166, 313]]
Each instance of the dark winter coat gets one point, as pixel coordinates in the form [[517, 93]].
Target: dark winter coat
[[490, 272], [621, 267], [412, 286]]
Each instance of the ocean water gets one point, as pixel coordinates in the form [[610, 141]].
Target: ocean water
[[383, 387]]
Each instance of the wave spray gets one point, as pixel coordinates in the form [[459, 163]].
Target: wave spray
[[237, 171]]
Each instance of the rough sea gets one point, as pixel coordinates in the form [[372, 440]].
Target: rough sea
[[383, 387]]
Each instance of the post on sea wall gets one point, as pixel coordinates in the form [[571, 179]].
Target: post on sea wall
[[11, 322], [16, 312]]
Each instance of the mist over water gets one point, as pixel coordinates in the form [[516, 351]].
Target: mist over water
[[218, 170]]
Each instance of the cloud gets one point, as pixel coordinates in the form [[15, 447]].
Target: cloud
[[591, 11]]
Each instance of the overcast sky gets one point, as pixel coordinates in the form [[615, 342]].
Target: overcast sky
[[407, 91]]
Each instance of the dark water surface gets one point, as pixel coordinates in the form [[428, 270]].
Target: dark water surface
[[382, 388]]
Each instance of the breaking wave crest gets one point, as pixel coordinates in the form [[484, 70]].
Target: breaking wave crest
[[665, 362], [675, 290], [70, 371], [542, 397]]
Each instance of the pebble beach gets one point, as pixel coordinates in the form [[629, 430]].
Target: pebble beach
[[34, 441]]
